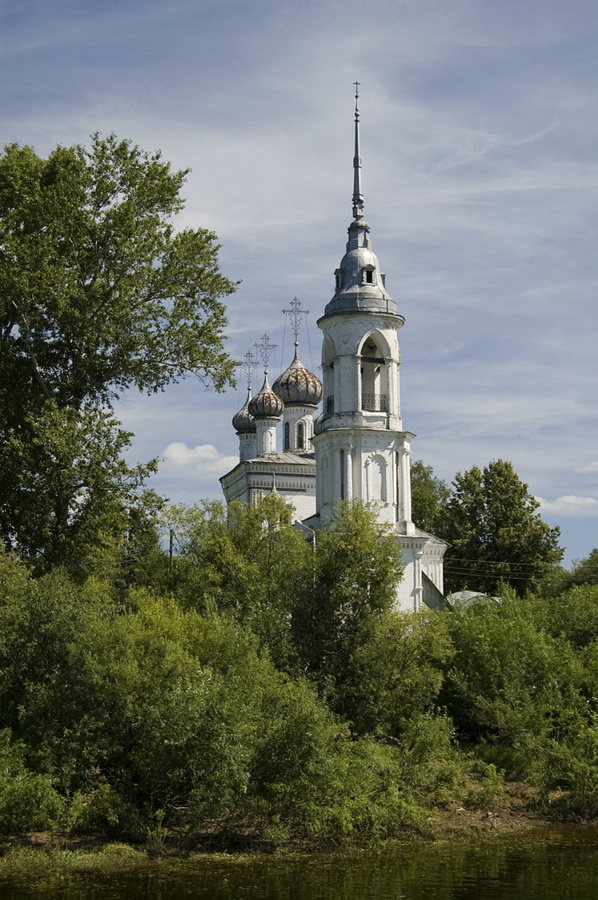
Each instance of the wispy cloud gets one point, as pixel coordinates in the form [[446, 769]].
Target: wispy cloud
[[569, 505], [590, 468]]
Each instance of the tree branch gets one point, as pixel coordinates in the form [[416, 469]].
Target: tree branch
[[31, 353]]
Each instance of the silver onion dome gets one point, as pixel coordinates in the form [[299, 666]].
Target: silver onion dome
[[243, 421], [266, 404], [297, 385]]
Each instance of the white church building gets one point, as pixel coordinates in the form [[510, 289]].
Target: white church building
[[356, 448]]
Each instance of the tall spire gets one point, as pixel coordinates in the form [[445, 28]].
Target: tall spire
[[360, 285], [357, 193]]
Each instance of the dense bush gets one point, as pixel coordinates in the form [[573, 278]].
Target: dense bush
[[302, 706]]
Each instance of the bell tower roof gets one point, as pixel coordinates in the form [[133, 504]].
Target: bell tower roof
[[360, 285]]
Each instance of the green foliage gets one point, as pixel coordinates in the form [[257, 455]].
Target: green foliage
[[429, 495], [510, 682], [97, 294], [278, 692], [73, 488], [146, 707], [586, 571], [245, 561], [396, 673], [569, 770], [495, 533], [309, 609], [28, 802], [486, 787], [571, 616], [559, 580], [357, 570], [98, 291]]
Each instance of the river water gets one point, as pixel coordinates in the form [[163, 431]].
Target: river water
[[544, 865]]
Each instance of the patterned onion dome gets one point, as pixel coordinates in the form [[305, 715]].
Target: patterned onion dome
[[266, 404], [297, 385], [243, 421]]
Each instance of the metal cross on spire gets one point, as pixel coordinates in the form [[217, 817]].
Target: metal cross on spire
[[249, 366], [264, 349], [357, 192], [296, 315]]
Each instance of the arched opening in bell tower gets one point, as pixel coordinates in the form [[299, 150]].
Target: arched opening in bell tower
[[328, 376], [373, 376]]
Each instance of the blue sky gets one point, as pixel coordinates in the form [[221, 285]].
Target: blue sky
[[479, 137]]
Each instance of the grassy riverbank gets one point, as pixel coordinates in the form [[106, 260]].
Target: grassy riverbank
[[41, 854]]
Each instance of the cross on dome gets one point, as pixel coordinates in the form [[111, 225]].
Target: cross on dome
[[296, 315], [265, 349], [249, 367]]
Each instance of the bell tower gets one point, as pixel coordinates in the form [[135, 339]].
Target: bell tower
[[361, 450]]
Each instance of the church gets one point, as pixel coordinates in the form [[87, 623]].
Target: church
[[355, 448]]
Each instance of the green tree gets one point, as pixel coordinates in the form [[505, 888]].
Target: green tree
[[357, 571], [429, 494], [246, 561], [98, 294], [583, 572], [509, 681], [586, 571], [396, 674], [571, 615], [495, 533], [66, 493]]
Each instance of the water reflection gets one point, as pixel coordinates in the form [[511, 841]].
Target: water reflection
[[556, 863]]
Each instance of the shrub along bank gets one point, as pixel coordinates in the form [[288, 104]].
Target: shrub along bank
[[259, 688]]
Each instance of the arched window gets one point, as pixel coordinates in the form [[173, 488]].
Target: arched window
[[287, 436], [300, 436]]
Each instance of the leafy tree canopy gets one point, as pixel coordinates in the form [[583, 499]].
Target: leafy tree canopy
[[98, 291], [428, 495], [495, 533], [98, 294]]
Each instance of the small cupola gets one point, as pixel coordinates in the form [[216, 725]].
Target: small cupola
[[243, 421], [266, 404], [297, 386]]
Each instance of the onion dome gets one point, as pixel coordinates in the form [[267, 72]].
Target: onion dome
[[297, 386], [243, 421], [266, 404]]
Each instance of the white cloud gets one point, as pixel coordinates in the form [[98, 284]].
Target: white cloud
[[590, 468], [569, 505], [203, 457]]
